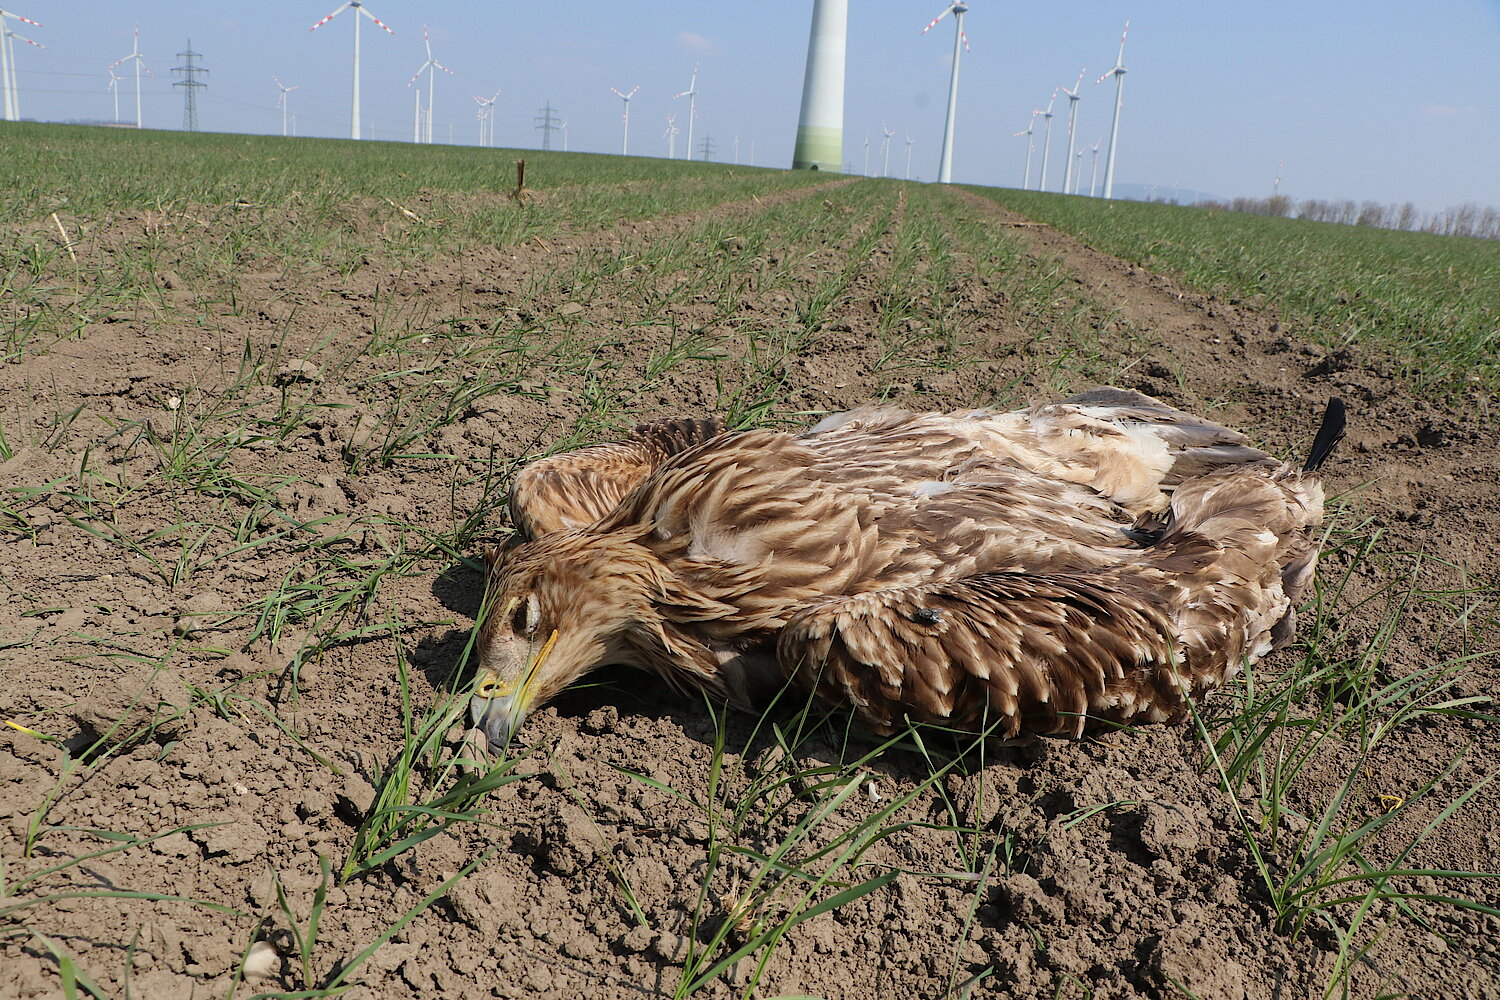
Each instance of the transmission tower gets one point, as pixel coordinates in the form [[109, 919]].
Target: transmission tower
[[189, 85], [707, 149], [547, 123]]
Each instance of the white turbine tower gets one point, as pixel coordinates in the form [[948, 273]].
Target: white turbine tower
[[1028, 132], [867, 154], [692, 95], [909, 141], [114, 88], [1046, 141], [282, 102], [140, 64], [960, 42], [671, 136], [885, 150], [1073, 99], [1114, 130], [8, 62], [1077, 169], [431, 66], [820, 125], [359, 9], [486, 116], [625, 137], [1094, 164]]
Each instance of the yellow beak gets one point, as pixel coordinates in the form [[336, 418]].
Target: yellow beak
[[498, 707]]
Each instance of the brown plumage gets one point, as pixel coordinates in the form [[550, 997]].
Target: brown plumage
[[1098, 560]]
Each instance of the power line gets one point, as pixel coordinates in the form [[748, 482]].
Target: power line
[[546, 124], [190, 86]]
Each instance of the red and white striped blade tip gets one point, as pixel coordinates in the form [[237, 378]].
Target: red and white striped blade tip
[[18, 17], [377, 20], [342, 7]]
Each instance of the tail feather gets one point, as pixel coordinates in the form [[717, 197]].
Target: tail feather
[[1330, 433]]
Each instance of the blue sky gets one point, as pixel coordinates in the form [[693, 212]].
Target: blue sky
[[1384, 100]]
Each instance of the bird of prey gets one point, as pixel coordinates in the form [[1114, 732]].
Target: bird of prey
[[1099, 560]]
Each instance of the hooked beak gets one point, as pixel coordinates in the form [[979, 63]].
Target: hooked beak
[[498, 707]]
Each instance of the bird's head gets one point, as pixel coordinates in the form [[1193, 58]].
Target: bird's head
[[554, 609]]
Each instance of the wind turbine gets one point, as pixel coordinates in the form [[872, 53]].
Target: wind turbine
[[625, 137], [431, 66], [820, 124], [1073, 99], [1078, 172], [909, 141], [1046, 141], [359, 8], [282, 102], [867, 154], [564, 127], [885, 149], [486, 115], [140, 64], [671, 136], [1114, 130], [1094, 168], [692, 95], [114, 88], [1028, 132], [8, 62], [957, 9]]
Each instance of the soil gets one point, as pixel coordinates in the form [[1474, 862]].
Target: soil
[[1121, 866]]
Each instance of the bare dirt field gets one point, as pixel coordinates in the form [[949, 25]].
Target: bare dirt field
[[241, 518]]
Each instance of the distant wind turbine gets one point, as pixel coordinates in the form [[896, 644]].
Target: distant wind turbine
[[909, 141], [486, 115], [671, 136], [114, 88], [885, 150], [960, 42], [1114, 130], [625, 136], [1094, 168], [359, 9], [1078, 171], [1028, 132], [282, 102], [431, 66], [692, 95], [1073, 99], [140, 64], [8, 61], [867, 154], [1046, 141], [820, 124]]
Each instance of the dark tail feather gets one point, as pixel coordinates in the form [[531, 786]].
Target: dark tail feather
[[1330, 433]]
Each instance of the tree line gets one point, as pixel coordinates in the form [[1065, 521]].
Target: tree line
[[1468, 219]]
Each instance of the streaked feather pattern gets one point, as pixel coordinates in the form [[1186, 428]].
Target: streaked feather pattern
[[974, 568]]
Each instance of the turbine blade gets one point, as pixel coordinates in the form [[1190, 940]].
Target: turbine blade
[[342, 7], [445, 69], [933, 23], [365, 11], [965, 36]]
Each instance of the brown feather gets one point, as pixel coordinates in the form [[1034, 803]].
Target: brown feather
[[973, 568]]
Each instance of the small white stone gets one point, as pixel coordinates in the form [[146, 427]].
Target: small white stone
[[262, 962], [173, 402], [239, 789]]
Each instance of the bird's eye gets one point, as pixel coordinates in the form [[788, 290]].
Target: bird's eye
[[527, 616]]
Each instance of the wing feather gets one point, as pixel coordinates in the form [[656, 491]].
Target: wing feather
[[577, 488], [1047, 654]]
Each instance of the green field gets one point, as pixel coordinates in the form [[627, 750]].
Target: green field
[[1431, 302]]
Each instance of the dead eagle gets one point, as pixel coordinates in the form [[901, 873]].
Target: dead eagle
[[1097, 560]]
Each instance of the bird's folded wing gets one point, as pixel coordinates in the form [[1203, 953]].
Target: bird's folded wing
[[1041, 654], [1195, 446], [577, 488]]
